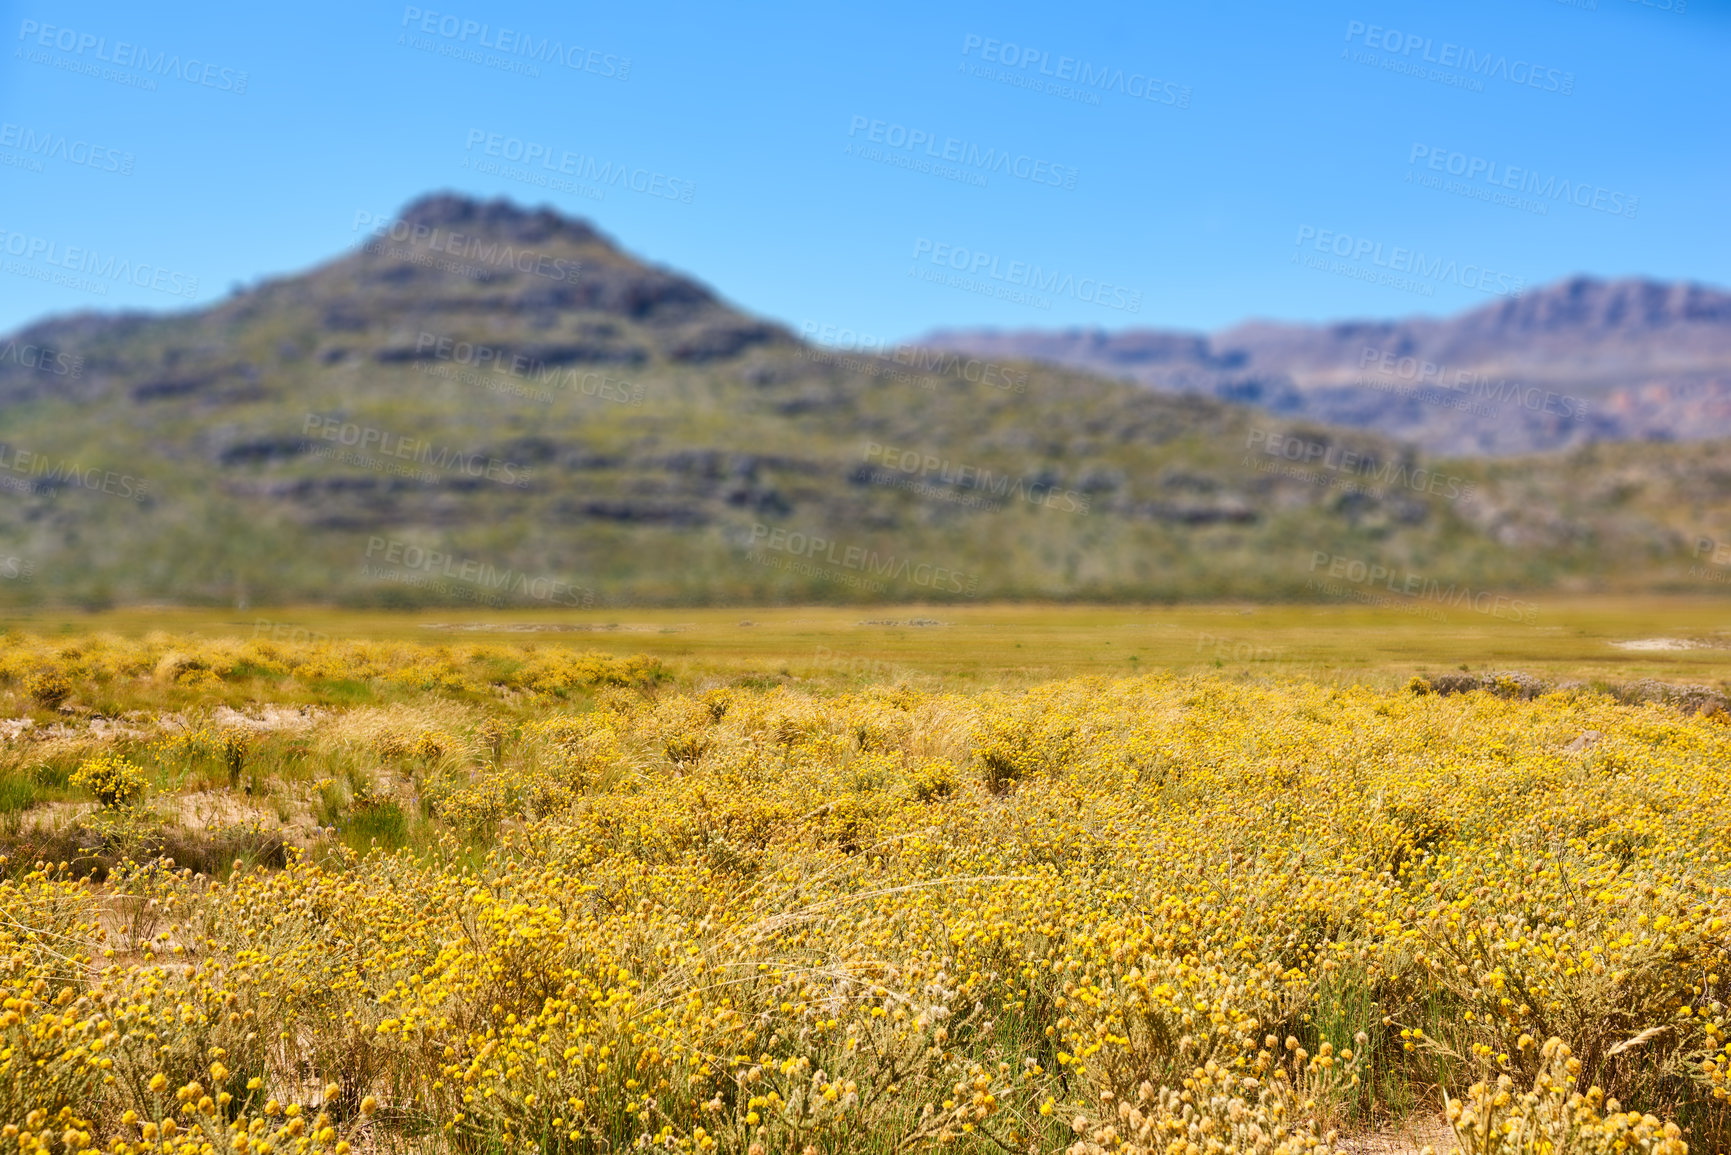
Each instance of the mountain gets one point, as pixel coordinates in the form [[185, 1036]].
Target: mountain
[[484, 404], [1579, 361]]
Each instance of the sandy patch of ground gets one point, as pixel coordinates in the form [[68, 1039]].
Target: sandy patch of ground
[[204, 809], [1411, 1137], [268, 717], [1660, 644], [99, 727]]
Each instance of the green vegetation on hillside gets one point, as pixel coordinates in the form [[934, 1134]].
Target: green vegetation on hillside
[[421, 422]]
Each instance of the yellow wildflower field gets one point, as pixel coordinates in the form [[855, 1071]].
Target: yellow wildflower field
[[388, 896]]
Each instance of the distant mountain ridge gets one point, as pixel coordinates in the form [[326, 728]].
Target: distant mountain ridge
[[1578, 361], [481, 404]]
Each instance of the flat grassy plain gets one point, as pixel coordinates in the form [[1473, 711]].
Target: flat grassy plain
[[1588, 639], [811, 881]]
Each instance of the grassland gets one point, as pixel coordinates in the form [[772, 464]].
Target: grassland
[[1603, 639], [1224, 879]]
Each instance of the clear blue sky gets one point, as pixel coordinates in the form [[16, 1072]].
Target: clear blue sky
[[1268, 120]]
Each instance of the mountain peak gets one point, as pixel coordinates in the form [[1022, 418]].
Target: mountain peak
[[500, 217]]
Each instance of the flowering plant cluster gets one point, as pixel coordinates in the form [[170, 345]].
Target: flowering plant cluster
[[1159, 914]]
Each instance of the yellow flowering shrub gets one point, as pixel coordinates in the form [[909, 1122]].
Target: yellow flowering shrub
[[112, 779], [48, 688], [1157, 914], [48, 666], [1554, 1115]]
